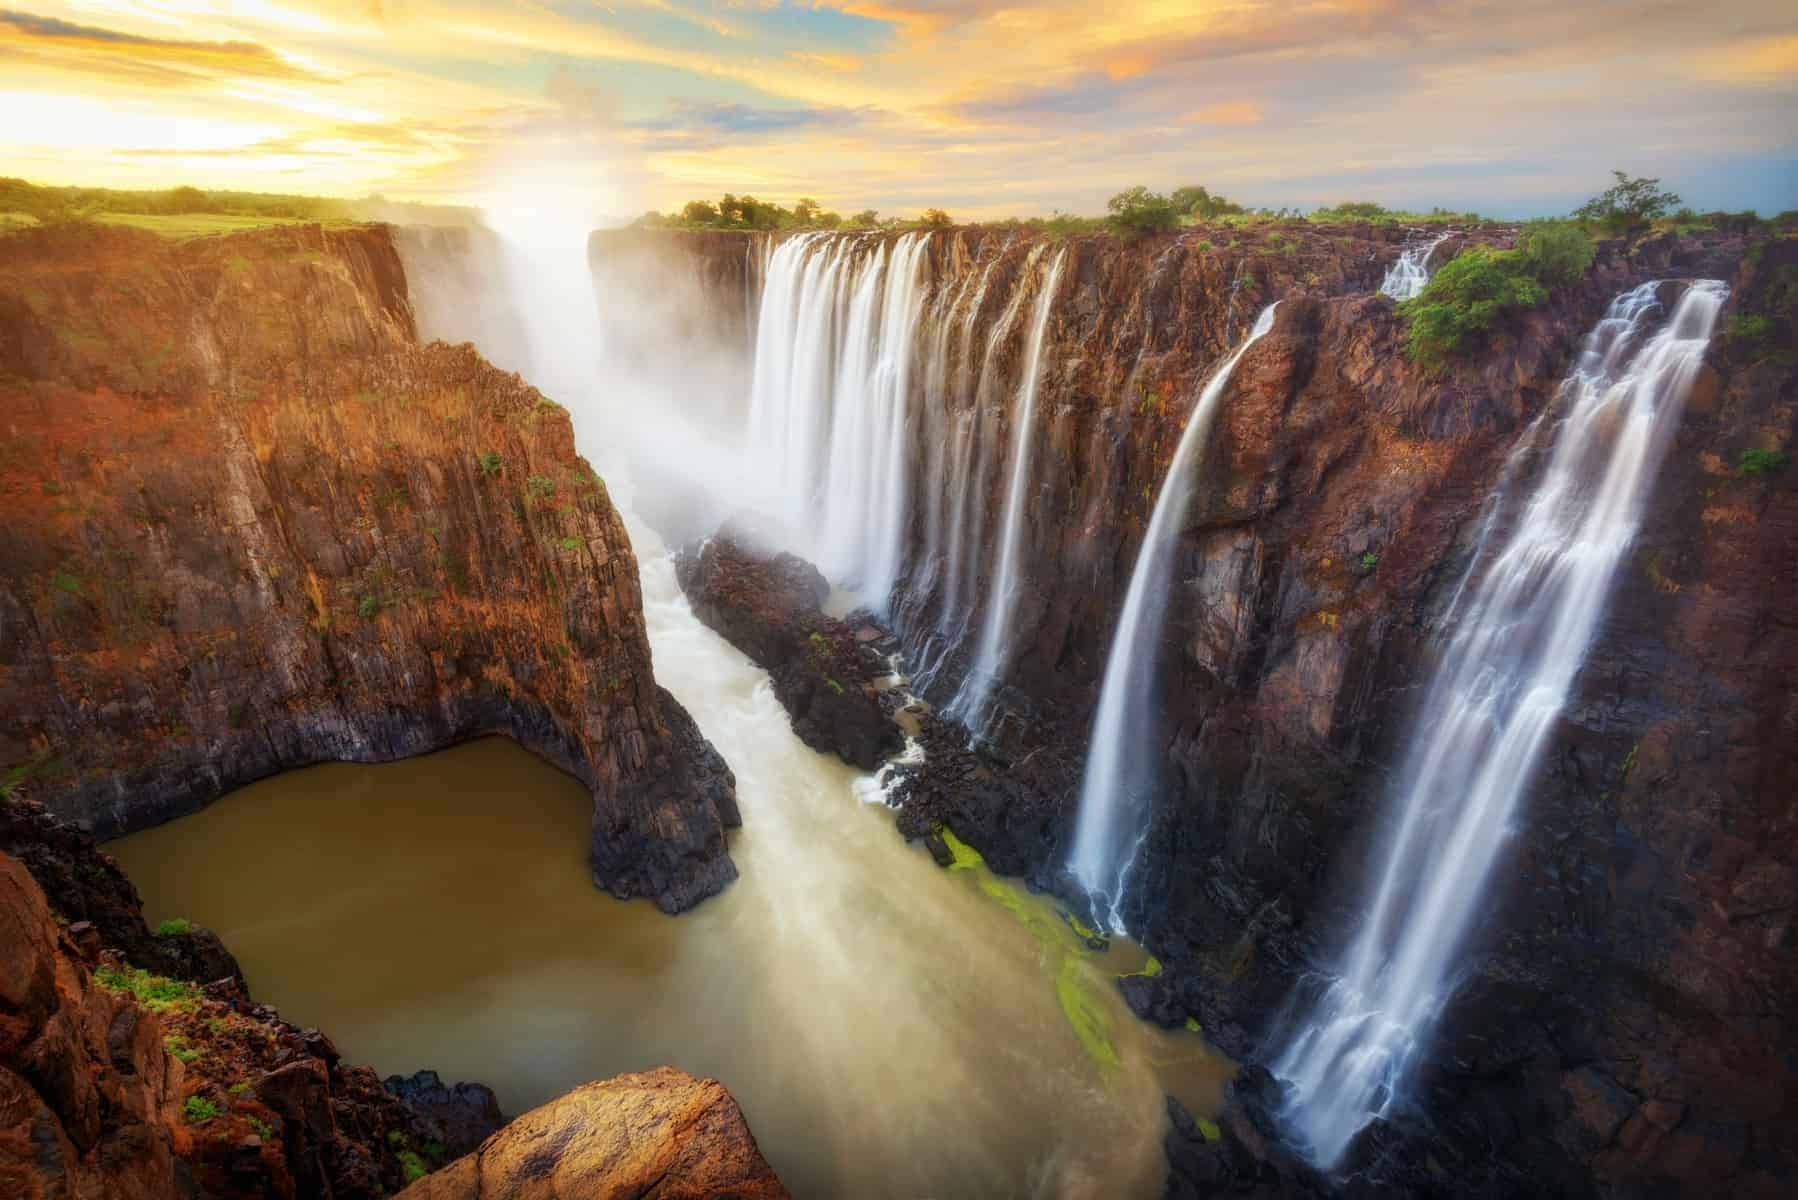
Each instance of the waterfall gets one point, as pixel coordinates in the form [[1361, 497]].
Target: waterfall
[[1406, 277], [991, 653], [1503, 677], [830, 399], [1120, 779]]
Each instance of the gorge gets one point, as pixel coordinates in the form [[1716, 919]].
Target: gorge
[[1165, 544]]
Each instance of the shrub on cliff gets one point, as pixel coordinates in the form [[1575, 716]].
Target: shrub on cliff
[[1464, 299], [1557, 252], [1138, 211], [1477, 287]]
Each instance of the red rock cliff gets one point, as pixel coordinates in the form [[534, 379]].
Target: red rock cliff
[[250, 524]]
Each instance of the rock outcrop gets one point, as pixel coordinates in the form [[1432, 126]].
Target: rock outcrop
[[769, 606], [253, 524], [658, 1133]]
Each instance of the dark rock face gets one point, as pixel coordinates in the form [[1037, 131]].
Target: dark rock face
[[769, 607], [658, 1133], [457, 1116], [253, 525], [85, 885]]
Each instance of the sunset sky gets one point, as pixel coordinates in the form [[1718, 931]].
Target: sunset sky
[[984, 107]]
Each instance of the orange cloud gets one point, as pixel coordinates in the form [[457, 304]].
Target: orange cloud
[[47, 41], [1234, 112]]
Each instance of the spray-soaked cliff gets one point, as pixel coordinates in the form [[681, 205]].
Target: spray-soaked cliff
[[1626, 1020], [251, 523]]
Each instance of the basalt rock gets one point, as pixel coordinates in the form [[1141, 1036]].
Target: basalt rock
[[456, 1116], [252, 524], [85, 884], [769, 606], [658, 1133]]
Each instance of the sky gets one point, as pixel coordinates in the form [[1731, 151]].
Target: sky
[[983, 107]]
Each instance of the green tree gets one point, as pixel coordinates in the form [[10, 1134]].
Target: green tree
[[866, 216], [936, 218], [700, 212], [1138, 211], [806, 211], [1199, 202], [1629, 204]]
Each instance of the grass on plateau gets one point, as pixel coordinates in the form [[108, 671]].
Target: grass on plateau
[[181, 226]]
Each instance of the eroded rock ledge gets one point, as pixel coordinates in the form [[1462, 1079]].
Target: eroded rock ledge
[[252, 524], [770, 606], [658, 1133]]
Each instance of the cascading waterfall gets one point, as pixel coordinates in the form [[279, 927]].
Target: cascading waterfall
[[831, 395], [1120, 775], [1406, 277], [991, 652], [1503, 678]]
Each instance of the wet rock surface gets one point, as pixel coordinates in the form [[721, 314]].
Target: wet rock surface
[[1625, 1028], [658, 1133], [770, 606], [253, 524]]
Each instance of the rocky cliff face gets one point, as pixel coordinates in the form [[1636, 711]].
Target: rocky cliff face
[[253, 524], [1627, 1026]]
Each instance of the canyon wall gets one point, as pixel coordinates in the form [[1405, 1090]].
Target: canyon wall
[[1626, 1024], [252, 523]]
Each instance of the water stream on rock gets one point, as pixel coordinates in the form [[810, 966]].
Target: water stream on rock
[[1530, 615], [1121, 779], [890, 1028], [991, 651], [1406, 276]]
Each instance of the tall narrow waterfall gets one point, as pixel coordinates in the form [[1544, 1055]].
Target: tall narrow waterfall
[[1505, 672], [1121, 778], [830, 402], [1406, 277], [992, 651]]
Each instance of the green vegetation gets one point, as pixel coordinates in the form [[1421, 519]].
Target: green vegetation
[[1763, 462], [1193, 1026], [746, 212], [1369, 560], [571, 544], [1752, 329], [964, 856], [368, 608], [158, 993], [1083, 1013], [184, 212], [1209, 1130], [489, 463], [835, 686], [1628, 205], [541, 487], [262, 1128], [1136, 212], [177, 1045], [173, 927], [241, 1087], [200, 1110], [66, 582], [1351, 211], [1468, 295], [1557, 252], [1200, 204], [413, 1165]]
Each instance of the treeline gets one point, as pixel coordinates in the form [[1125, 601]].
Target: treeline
[[49, 204], [746, 212], [75, 203]]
